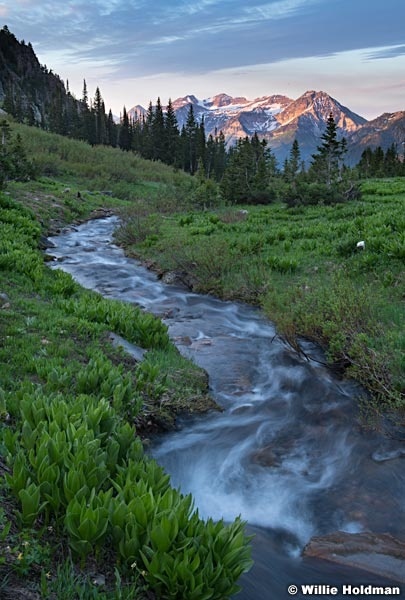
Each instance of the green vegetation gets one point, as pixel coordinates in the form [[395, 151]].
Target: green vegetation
[[79, 497], [84, 512], [302, 265], [78, 494]]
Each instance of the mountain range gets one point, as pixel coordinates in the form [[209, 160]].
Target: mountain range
[[279, 120], [37, 92]]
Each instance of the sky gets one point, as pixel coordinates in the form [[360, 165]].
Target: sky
[[138, 50]]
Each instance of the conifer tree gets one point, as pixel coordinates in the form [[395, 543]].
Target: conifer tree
[[147, 134], [220, 156], [292, 165], [100, 126], [87, 125], [201, 143], [171, 136], [111, 130], [158, 132], [124, 136], [190, 138], [327, 164]]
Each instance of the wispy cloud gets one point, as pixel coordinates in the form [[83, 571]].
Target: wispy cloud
[[280, 9], [388, 52], [191, 40]]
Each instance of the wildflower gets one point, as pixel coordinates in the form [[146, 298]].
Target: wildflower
[[133, 566], [25, 544], [20, 556], [48, 575]]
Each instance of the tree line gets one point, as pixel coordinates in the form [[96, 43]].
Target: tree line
[[246, 172]]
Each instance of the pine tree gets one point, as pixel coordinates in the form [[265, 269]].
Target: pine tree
[[87, 125], [13, 160], [158, 132], [391, 161], [85, 96], [201, 142], [171, 136], [111, 130], [190, 129], [100, 126], [147, 134], [220, 156], [124, 136], [210, 155], [292, 165], [327, 164]]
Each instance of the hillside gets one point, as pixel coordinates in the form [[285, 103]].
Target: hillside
[[34, 94], [28, 88]]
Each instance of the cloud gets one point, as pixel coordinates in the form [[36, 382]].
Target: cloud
[[390, 52], [127, 39]]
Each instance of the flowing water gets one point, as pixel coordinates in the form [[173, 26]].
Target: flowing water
[[287, 452]]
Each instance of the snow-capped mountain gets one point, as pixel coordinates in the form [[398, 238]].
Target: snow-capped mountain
[[383, 131], [235, 117], [280, 120]]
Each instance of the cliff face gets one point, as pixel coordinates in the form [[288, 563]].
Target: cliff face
[[383, 131], [26, 87]]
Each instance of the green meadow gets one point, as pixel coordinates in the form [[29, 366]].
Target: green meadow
[[302, 265], [79, 497], [84, 512]]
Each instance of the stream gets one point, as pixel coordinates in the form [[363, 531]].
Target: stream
[[287, 452]]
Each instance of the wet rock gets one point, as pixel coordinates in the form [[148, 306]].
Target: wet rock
[[378, 553], [99, 580], [267, 457], [388, 452], [136, 352], [179, 278], [201, 343], [45, 243], [184, 340], [4, 301], [170, 277]]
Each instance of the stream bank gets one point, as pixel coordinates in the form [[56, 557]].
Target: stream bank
[[287, 452]]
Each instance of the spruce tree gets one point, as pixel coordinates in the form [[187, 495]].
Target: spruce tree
[[158, 132], [111, 130], [124, 136], [221, 156], [292, 165], [99, 119], [327, 164], [191, 128], [171, 136]]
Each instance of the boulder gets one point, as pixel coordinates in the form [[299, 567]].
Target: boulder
[[377, 553]]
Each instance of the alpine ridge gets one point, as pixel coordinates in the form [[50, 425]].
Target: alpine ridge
[[279, 120], [38, 96]]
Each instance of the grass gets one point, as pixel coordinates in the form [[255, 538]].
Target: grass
[[62, 379], [78, 495], [303, 267]]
